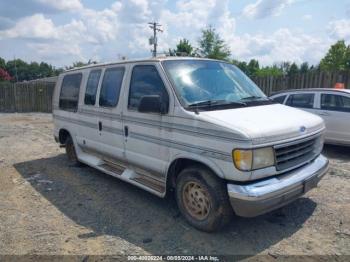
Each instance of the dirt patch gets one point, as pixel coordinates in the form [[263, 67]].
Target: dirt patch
[[49, 207]]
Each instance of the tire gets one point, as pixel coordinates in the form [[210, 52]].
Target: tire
[[202, 199], [71, 152]]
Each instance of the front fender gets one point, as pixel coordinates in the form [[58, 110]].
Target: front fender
[[201, 159]]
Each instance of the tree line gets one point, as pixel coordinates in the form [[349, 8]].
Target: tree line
[[19, 70], [209, 45]]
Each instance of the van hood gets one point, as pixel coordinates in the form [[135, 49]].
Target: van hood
[[267, 123]]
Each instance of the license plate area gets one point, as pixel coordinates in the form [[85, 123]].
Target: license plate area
[[310, 184]]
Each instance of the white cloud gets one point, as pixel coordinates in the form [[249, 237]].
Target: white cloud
[[102, 26], [121, 29], [35, 26], [282, 45], [307, 17], [339, 29], [62, 5], [268, 48], [50, 42], [17, 9], [46, 49], [265, 8], [190, 17]]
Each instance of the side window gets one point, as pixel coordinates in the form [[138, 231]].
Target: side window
[[335, 103], [111, 85], [91, 87], [301, 100], [145, 80], [69, 95], [279, 99]]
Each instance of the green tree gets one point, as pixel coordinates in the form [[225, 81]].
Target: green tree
[[241, 65], [253, 67], [18, 69], [79, 64], [212, 46], [183, 48], [33, 71], [304, 68], [270, 71], [21, 70], [2, 63], [347, 58], [293, 70], [337, 58], [285, 66]]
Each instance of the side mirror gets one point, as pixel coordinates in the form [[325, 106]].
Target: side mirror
[[151, 104]]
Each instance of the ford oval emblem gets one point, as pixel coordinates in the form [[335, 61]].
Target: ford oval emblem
[[302, 129]]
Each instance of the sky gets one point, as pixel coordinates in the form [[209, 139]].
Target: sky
[[61, 32]]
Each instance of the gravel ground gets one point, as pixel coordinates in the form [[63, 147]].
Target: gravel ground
[[50, 208]]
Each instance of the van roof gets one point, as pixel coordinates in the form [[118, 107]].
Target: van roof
[[310, 89], [151, 59]]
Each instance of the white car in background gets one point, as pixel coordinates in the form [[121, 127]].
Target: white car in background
[[333, 105]]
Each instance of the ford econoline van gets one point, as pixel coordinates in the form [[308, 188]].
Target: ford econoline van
[[195, 126]]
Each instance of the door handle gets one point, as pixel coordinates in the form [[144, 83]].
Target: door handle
[[126, 131], [99, 125]]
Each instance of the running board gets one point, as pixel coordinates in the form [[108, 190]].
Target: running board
[[112, 167], [115, 170], [146, 182], [150, 182]]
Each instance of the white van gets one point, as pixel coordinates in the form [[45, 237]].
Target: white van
[[197, 126]]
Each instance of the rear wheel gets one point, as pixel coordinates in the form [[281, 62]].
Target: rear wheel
[[202, 199], [71, 152]]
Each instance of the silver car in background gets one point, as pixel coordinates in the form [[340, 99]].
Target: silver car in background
[[333, 105]]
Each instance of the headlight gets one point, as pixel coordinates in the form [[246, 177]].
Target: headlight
[[251, 159]]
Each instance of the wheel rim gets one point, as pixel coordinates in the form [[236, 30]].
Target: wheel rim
[[196, 200]]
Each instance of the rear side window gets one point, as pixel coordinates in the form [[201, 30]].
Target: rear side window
[[301, 100], [145, 80], [69, 95], [279, 99], [111, 85], [335, 103], [91, 87]]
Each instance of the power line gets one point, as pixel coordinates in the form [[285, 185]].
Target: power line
[[153, 40]]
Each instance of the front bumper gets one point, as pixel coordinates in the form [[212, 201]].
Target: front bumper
[[263, 196]]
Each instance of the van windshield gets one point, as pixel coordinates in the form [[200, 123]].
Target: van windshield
[[207, 83]]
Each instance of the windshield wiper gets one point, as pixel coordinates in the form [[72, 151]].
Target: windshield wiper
[[253, 98], [215, 103]]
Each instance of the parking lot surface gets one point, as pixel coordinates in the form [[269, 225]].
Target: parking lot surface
[[48, 207]]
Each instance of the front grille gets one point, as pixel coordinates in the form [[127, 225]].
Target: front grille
[[294, 155]]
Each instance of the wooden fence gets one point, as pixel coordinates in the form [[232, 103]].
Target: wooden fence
[[36, 96], [271, 85]]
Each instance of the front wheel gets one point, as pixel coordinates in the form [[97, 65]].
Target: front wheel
[[202, 199], [71, 152]]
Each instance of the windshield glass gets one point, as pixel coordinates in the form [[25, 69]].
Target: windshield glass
[[199, 81]]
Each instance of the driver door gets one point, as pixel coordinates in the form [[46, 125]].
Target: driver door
[[145, 146]]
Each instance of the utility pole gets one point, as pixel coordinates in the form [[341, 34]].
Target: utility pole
[[153, 40], [16, 74]]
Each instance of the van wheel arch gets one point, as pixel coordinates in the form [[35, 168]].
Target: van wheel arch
[[63, 135], [67, 140], [180, 164]]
